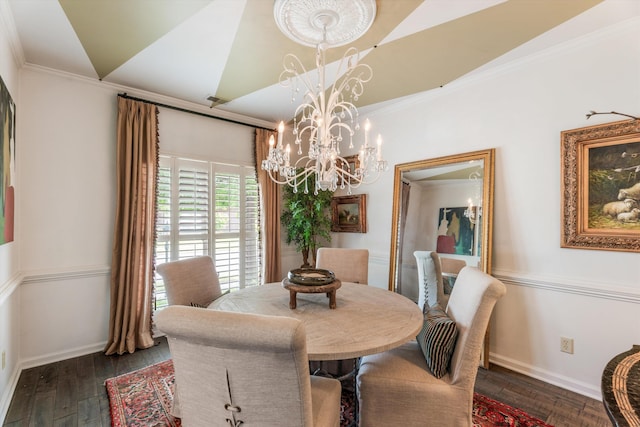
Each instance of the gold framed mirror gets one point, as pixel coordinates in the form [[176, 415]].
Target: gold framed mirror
[[445, 205]]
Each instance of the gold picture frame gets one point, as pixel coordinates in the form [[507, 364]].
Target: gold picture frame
[[349, 213], [601, 187], [353, 162]]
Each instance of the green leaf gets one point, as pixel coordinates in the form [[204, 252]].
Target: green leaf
[[306, 216]]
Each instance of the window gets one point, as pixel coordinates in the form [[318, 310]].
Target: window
[[207, 208]]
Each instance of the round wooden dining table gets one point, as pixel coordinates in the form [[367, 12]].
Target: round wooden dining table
[[366, 319]]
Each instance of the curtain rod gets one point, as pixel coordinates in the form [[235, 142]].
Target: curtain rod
[[184, 110]]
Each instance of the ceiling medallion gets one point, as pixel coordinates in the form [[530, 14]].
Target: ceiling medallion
[[305, 21]]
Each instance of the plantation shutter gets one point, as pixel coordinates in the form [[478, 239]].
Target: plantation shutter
[[211, 209], [193, 209], [163, 230], [253, 250], [236, 227]]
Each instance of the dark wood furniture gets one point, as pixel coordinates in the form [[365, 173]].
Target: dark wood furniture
[[329, 289]]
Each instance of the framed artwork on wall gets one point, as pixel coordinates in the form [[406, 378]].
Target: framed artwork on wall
[[601, 187], [349, 213], [353, 162], [7, 164]]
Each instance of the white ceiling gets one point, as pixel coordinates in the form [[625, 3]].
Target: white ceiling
[[232, 49]]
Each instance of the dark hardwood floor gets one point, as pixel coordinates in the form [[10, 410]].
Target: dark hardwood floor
[[72, 393], [554, 405]]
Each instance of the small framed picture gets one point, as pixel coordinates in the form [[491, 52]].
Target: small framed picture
[[349, 213], [353, 162], [601, 187]]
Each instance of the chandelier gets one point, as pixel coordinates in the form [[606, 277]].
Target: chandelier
[[474, 213], [325, 117]]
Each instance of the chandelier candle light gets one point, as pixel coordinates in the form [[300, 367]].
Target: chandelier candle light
[[324, 116], [474, 214]]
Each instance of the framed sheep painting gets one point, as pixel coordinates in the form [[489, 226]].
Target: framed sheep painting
[[601, 187]]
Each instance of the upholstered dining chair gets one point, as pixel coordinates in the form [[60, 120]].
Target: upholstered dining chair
[[452, 265], [349, 265], [398, 388], [245, 369], [450, 269], [191, 281], [430, 287]]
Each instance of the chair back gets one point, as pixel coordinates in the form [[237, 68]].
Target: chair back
[[452, 265], [191, 281], [239, 367], [430, 289], [349, 265], [450, 269], [470, 305]]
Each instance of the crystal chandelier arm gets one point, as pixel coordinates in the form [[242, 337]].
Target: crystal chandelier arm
[[353, 77], [363, 173], [295, 175], [352, 81], [306, 125], [292, 180], [293, 74], [293, 69], [341, 124]]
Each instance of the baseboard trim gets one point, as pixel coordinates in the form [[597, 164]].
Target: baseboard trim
[[546, 376], [62, 355], [5, 398], [70, 354]]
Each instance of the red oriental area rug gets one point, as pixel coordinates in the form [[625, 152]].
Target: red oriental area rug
[[143, 398]]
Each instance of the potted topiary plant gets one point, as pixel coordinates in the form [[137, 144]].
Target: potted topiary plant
[[307, 219]]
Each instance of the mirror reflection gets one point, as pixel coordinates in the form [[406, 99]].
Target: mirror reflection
[[443, 205]]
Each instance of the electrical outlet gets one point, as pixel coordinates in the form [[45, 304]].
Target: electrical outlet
[[566, 345], [4, 359]]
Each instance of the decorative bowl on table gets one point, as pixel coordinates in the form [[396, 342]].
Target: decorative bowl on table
[[311, 276]]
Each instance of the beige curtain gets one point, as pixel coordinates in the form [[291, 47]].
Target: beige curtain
[[271, 209], [133, 241]]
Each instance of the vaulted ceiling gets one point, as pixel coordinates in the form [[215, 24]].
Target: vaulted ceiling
[[233, 50]]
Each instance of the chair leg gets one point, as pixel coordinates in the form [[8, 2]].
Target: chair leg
[[317, 368], [348, 381], [354, 389]]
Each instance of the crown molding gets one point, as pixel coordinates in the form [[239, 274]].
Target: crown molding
[[8, 23]]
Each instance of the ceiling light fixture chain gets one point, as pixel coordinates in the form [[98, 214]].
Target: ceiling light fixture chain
[[325, 117]]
